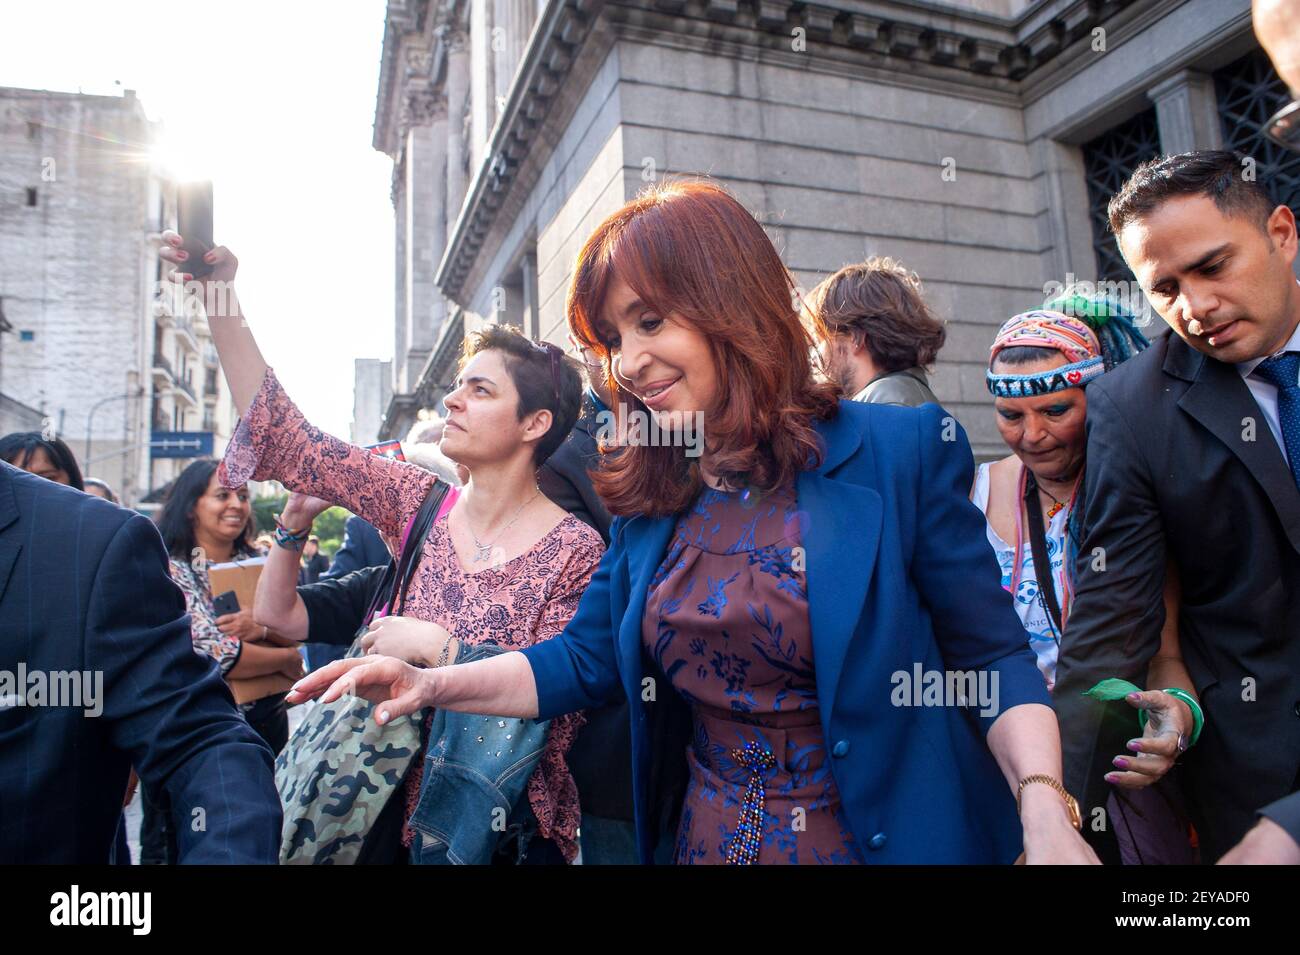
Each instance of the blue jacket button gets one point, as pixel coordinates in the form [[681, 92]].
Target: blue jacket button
[[841, 748], [877, 841]]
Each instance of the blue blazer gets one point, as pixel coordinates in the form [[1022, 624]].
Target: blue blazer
[[84, 586], [900, 576]]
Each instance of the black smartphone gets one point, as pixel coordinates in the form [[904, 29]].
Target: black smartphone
[[223, 604], [194, 222]]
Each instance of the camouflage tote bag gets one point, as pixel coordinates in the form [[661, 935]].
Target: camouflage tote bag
[[339, 769], [335, 776]]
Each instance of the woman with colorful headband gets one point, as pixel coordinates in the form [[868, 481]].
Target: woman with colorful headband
[[1040, 365]]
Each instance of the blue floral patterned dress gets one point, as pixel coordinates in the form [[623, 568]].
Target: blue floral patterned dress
[[727, 621]]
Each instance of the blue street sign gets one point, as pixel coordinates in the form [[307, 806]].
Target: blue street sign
[[180, 444]]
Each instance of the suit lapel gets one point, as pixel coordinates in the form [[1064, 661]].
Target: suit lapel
[[1220, 400], [841, 534]]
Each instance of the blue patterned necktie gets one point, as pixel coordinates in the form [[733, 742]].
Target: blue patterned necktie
[[1283, 371]]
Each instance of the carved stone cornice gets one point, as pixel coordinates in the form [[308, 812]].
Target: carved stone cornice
[[418, 61], [944, 49], [404, 20], [454, 40], [420, 107], [890, 30]]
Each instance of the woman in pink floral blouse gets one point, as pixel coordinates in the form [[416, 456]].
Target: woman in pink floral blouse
[[504, 565]]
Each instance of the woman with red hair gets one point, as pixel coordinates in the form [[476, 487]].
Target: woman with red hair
[[789, 580]]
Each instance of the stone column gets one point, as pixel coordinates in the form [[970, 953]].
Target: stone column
[[1187, 112], [425, 228], [1067, 218], [399, 291], [457, 111], [531, 316], [512, 22], [482, 101]]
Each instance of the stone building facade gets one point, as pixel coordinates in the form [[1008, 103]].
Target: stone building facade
[[106, 360], [372, 389], [976, 141]]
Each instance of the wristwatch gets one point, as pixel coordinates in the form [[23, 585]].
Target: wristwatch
[[1071, 803]]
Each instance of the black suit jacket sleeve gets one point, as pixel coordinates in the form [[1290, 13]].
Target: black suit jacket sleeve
[[1118, 611], [1286, 813], [336, 606], [168, 708]]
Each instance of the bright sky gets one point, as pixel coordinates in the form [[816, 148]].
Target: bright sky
[[280, 97]]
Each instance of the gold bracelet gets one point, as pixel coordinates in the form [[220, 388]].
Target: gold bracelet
[[1071, 803]]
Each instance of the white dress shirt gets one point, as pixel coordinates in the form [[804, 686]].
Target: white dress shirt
[[1266, 393]]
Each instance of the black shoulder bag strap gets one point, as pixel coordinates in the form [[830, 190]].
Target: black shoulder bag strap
[[1038, 547], [392, 588]]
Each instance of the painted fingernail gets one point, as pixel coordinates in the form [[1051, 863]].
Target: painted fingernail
[[1111, 777], [210, 257], [1135, 745], [182, 254], [1121, 762], [1135, 697]]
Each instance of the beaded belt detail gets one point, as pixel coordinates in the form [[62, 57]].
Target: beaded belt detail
[[743, 849]]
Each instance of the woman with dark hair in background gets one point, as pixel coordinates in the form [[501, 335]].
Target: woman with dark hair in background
[[47, 457], [204, 523]]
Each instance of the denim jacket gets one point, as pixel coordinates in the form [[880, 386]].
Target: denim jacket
[[476, 770]]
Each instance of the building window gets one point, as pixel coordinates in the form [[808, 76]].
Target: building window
[[31, 195], [26, 335], [1108, 161], [1249, 92], [33, 129]]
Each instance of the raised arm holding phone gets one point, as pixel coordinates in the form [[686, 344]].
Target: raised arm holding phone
[[501, 564]]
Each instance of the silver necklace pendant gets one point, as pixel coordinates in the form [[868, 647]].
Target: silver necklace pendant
[[483, 552]]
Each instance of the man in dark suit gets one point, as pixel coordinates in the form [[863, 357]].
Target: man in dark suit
[[1194, 457], [86, 603]]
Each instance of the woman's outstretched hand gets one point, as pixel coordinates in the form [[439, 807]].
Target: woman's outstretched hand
[[397, 688], [1166, 737]]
